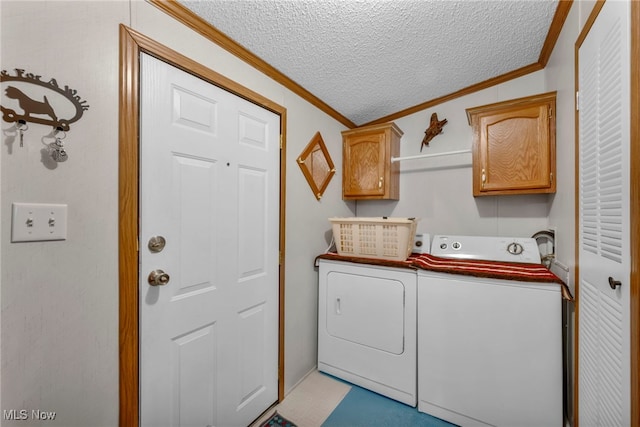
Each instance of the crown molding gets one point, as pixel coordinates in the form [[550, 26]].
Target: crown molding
[[191, 20]]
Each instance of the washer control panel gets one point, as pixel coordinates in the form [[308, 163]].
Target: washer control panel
[[515, 248], [421, 244], [507, 249]]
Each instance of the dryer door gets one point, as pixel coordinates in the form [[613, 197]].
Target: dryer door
[[366, 310]]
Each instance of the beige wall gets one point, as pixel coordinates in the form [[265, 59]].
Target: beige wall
[[59, 300]]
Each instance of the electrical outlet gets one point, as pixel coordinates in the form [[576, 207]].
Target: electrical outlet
[[33, 222]]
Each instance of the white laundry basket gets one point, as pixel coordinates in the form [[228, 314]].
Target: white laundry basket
[[379, 237]]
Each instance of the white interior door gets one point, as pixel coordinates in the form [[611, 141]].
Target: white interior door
[[209, 185], [603, 312]]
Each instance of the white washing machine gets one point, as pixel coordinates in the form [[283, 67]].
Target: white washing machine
[[489, 350], [367, 327]]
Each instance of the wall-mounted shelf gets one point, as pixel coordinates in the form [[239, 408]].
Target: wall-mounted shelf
[[424, 156]]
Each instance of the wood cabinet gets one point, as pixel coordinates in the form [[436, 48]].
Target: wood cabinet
[[514, 146], [367, 170]]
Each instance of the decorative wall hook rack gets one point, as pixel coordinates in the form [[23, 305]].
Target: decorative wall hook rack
[[42, 102]]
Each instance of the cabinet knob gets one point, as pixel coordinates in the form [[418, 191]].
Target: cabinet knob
[[380, 181], [484, 177]]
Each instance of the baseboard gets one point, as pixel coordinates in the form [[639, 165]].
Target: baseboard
[[313, 369]]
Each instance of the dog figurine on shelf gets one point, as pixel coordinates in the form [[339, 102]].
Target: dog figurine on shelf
[[435, 128], [31, 106]]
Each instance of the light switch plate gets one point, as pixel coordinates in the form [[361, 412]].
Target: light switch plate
[[33, 222]]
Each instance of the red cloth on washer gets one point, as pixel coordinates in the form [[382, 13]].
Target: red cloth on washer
[[522, 272]]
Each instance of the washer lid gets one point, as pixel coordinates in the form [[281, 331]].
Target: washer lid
[[507, 249]]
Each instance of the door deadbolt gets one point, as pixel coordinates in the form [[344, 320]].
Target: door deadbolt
[[156, 243], [614, 283], [158, 278]]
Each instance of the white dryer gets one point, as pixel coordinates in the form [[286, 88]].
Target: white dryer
[[367, 327], [489, 350]]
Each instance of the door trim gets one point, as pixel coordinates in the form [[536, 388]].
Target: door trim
[[132, 45], [634, 214]]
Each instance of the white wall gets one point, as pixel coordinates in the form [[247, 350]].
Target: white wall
[[306, 218], [439, 190], [1, 406], [560, 76], [60, 299]]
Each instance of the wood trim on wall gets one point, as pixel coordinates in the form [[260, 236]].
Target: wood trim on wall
[[562, 11], [634, 215], [191, 20], [576, 231], [128, 229], [462, 92], [132, 44], [560, 16]]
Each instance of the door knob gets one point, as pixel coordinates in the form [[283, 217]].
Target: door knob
[[158, 277], [614, 283]]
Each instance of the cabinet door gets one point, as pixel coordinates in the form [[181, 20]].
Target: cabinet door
[[515, 150], [364, 165], [514, 146]]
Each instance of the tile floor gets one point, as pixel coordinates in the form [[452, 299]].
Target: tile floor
[[311, 402]]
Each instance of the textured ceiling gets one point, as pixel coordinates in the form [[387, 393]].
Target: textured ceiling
[[368, 59]]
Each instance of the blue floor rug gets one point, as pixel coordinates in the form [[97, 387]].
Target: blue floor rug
[[364, 408]]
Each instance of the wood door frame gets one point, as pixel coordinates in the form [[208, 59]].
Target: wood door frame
[[634, 214], [132, 45]]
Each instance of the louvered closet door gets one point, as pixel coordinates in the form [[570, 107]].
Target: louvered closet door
[[603, 312]]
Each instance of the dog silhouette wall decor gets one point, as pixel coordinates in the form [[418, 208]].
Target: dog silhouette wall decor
[[47, 103]]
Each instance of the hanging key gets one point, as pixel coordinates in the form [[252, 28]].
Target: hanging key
[[22, 126], [56, 151], [59, 155]]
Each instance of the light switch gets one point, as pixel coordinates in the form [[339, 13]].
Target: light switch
[[32, 222]]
